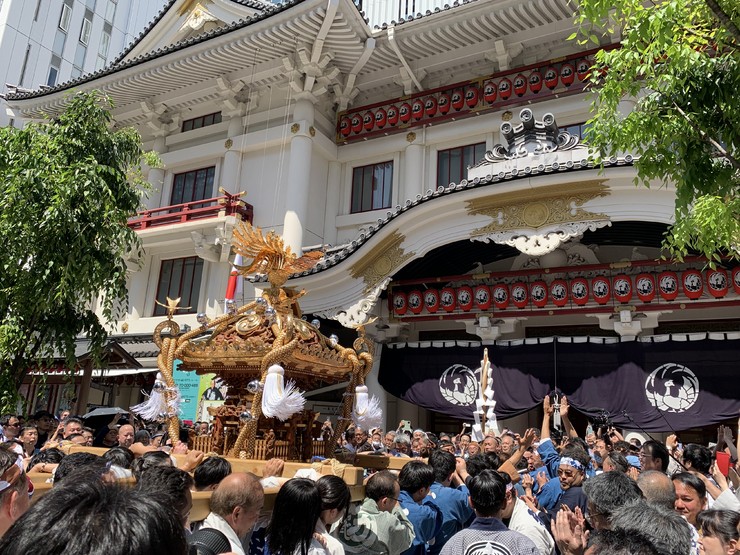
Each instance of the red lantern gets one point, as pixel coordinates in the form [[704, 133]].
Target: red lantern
[[345, 126], [567, 74], [535, 81], [668, 285], [693, 285], [559, 292], [482, 295], [381, 118], [500, 294], [447, 299], [430, 107], [465, 298], [400, 303], [444, 103], [520, 85], [583, 68], [416, 301], [622, 288], [645, 287], [431, 300], [471, 96], [458, 100], [538, 293], [504, 89], [736, 280], [519, 294], [404, 112], [579, 291], [489, 92], [356, 123], [601, 289], [717, 283], [417, 109], [551, 78], [392, 116], [368, 121]]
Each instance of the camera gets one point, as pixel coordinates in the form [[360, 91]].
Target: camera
[[601, 423]]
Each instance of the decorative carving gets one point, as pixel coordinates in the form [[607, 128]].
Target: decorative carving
[[507, 116], [351, 316], [531, 137], [198, 17], [228, 143], [410, 137], [385, 257], [295, 128], [312, 131], [542, 243]]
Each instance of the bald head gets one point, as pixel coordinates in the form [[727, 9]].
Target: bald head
[[126, 435], [657, 488], [238, 499]]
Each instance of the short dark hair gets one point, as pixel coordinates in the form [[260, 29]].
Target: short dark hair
[[80, 464], [415, 475], [618, 460], [699, 456], [487, 493], [120, 456], [690, 480], [721, 524], [381, 484], [657, 450], [171, 484], [210, 472], [443, 464], [620, 542], [610, 490], [143, 437], [99, 512], [72, 420], [482, 461], [148, 461], [50, 456]]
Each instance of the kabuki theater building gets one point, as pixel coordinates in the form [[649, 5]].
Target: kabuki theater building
[[438, 160]]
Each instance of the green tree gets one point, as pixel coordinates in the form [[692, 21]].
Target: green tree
[[67, 187], [680, 65]]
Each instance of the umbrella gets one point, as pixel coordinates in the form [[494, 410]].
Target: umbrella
[[105, 411]]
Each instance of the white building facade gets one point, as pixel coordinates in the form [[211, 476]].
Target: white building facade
[[384, 145]]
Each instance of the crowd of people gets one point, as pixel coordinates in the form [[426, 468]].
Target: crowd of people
[[541, 492]]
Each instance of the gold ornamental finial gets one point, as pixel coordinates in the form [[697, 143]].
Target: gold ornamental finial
[[172, 306]]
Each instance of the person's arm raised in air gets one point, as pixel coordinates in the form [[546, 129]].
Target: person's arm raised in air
[[509, 465], [564, 406]]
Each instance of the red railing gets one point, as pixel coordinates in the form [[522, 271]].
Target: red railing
[[225, 205]]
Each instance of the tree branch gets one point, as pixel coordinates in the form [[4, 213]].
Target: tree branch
[[706, 138], [724, 19]]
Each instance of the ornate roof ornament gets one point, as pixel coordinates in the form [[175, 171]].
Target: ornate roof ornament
[[531, 137]]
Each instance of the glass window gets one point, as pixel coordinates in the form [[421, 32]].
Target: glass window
[[452, 164], [193, 185], [104, 44], [179, 277], [110, 10], [65, 18], [53, 74], [372, 187], [85, 31], [201, 121]]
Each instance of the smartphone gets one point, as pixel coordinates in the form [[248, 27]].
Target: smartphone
[[723, 463]]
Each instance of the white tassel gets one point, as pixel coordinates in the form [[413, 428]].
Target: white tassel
[[280, 400], [155, 403], [367, 412]]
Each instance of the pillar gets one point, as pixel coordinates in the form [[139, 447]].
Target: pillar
[[413, 175], [299, 175], [232, 157], [333, 194], [156, 177]]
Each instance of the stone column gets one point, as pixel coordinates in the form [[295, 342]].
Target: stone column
[[413, 168], [156, 177], [333, 194], [230, 171], [299, 174]]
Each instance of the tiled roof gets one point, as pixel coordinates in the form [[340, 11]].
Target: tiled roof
[[427, 13], [120, 64]]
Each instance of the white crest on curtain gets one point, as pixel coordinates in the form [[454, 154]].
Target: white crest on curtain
[[366, 412], [280, 400]]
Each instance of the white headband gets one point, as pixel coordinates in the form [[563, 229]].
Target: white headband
[[571, 462]]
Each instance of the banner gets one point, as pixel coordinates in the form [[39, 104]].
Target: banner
[[197, 393], [655, 385]]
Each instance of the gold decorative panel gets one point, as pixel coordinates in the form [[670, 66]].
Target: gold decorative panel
[[384, 258]]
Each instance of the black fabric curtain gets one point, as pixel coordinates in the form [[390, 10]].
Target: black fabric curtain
[[655, 385]]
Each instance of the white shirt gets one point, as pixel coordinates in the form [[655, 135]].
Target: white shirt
[[218, 523], [333, 545], [524, 521]]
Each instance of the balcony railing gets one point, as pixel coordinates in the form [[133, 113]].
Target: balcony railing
[[225, 205]]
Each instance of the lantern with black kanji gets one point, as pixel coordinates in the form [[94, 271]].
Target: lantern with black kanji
[[416, 301], [559, 292], [520, 85], [668, 285], [472, 94], [465, 298], [717, 283], [381, 118], [500, 294], [645, 287], [368, 121], [583, 68], [601, 289], [482, 295], [736, 280], [693, 284], [447, 299], [520, 294], [504, 89], [356, 123], [404, 112], [393, 116], [431, 300], [567, 74], [458, 100], [430, 107], [444, 103], [622, 288], [579, 291], [400, 303], [551, 78], [538, 293], [345, 126], [535, 81], [417, 109], [489, 92]]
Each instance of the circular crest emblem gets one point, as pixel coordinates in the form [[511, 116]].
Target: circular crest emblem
[[458, 385], [672, 387]]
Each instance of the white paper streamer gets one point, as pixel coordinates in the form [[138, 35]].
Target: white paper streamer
[[280, 400]]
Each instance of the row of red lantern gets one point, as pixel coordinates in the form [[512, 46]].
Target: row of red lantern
[[600, 289], [469, 96]]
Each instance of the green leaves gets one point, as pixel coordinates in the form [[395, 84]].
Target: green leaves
[[670, 96], [67, 189]]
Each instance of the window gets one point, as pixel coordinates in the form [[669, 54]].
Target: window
[[202, 121], [65, 18], [53, 74], [193, 185], [577, 129], [110, 10], [104, 44], [372, 187], [85, 31], [179, 277], [452, 164]]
